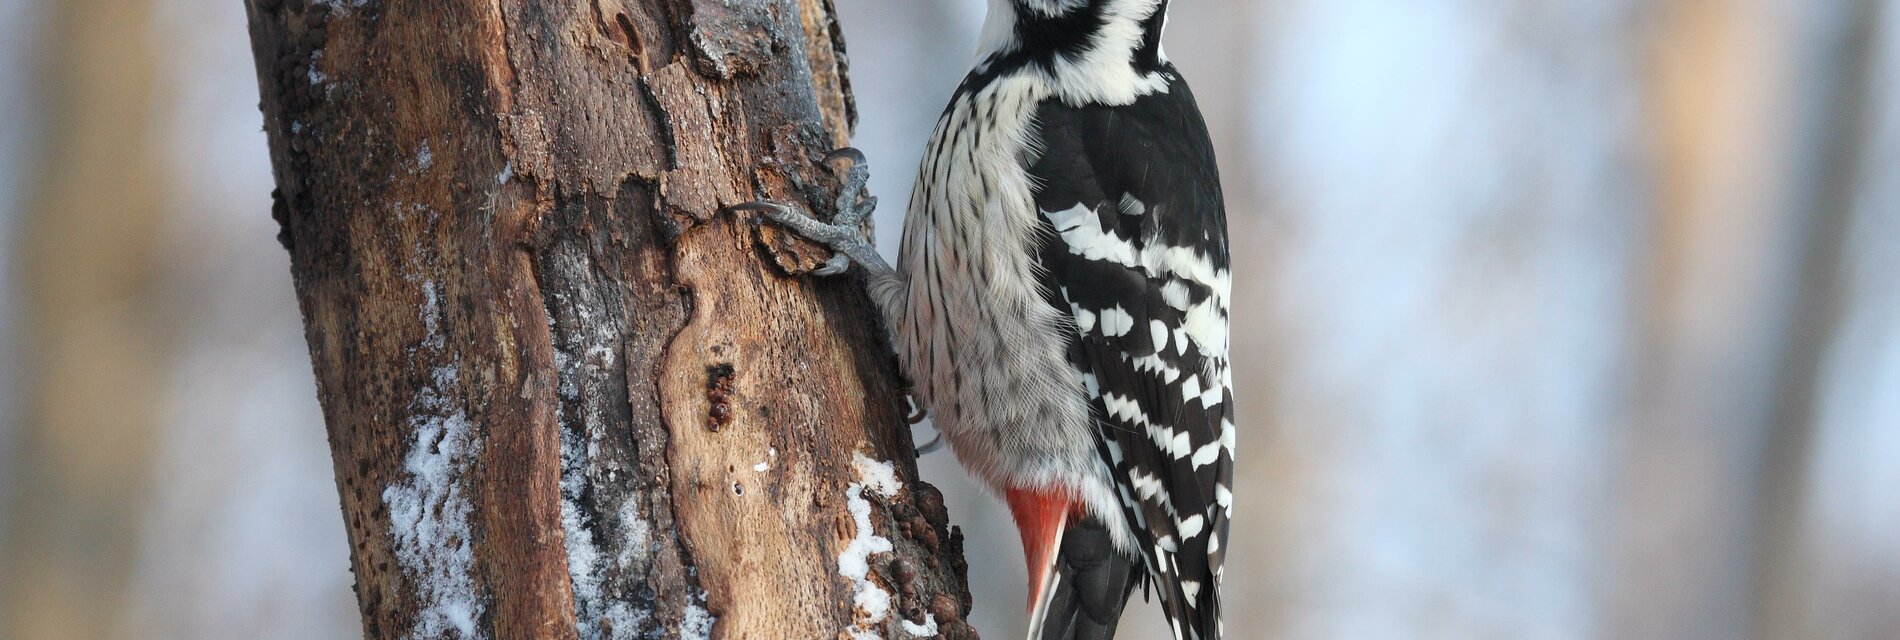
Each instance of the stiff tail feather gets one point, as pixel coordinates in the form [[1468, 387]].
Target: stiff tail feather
[[1078, 582]]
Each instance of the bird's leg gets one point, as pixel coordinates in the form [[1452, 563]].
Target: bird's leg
[[845, 233]]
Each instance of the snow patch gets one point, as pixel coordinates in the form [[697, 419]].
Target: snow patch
[[854, 563], [636, 535], [425, 157], [697, 624], [603, 612], [431, 316], [601, 615], [878, 475], [590, 595], [428, 513], [926, 630], [315, 75], [569, 388]]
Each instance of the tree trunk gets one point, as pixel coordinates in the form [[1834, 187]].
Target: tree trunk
[[567, 396]]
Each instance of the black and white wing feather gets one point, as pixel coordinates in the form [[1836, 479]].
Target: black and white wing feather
[[1136, 251]]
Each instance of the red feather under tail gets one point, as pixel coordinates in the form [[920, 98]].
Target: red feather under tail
[[1041, 516]]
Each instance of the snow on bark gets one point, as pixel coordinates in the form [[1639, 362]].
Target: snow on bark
[[871, 603], [599, 613], [698, 622], [926, 630], [428, 512]]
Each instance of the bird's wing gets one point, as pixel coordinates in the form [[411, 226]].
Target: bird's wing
[[1136, 251]]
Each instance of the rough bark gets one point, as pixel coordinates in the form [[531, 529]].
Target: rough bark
[[568, 396]]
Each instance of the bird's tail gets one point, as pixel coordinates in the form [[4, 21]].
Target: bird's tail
[[1088, 585], [1078, 582]]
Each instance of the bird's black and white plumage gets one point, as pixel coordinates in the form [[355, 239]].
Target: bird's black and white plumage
[[1060, 304], [1140, 259]]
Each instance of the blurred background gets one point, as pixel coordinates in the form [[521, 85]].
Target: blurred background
[[1556, 319]]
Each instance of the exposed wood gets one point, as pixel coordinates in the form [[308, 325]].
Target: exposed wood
[[567, 396]]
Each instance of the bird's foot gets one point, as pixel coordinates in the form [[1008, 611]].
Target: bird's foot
[[932, 446], [913, 411], [845, 233], [914, 414]]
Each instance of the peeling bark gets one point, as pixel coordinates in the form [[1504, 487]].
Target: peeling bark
[[567, 396]]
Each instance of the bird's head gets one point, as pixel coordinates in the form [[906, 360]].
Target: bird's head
[[1074, 29], [1056, 7]]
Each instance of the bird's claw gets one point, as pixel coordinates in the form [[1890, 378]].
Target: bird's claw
[[932, 446], [846, 153], [853, 203], [844, 234], [913, 412], [839, 263]]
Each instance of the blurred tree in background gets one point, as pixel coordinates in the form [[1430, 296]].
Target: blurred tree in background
[[88, 263], [1559, 319]]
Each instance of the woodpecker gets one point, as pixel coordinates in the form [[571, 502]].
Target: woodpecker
[[1060, 304]]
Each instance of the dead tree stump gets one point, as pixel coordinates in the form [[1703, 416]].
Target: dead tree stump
[[567, 396]]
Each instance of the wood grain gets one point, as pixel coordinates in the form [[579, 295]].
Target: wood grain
[[567, 395]]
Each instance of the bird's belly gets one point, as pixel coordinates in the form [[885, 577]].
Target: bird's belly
[[984, 350], [988, 357]]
